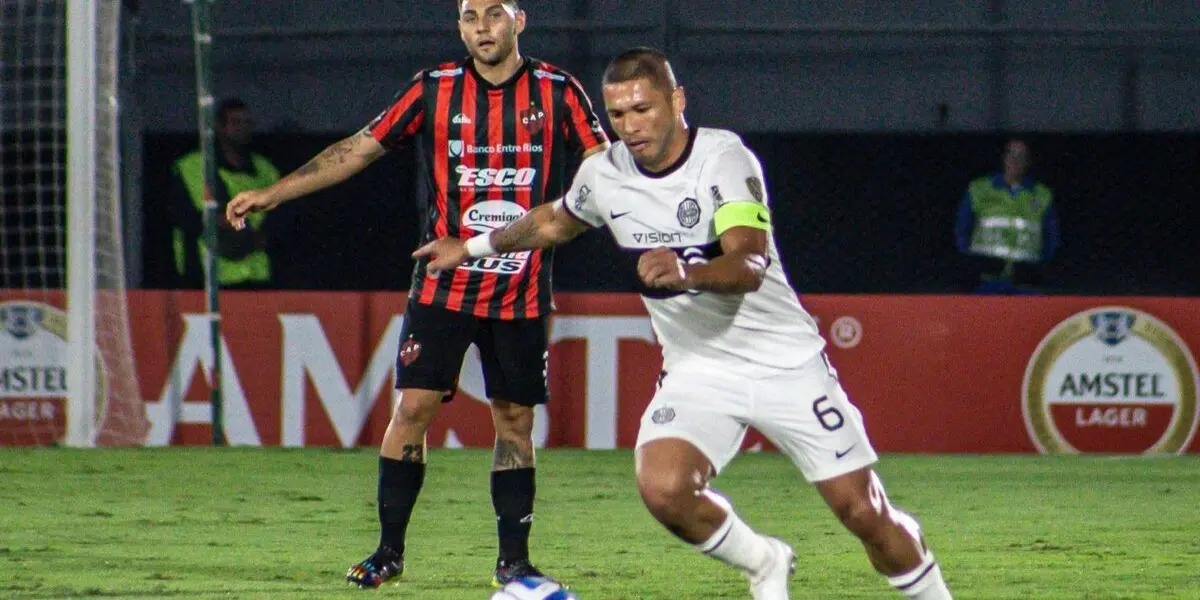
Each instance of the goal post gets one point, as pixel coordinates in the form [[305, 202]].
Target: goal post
[[82, 92], [67, 365]]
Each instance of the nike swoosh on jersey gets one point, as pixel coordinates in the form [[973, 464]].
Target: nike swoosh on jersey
[[844, 452], [614, 216]]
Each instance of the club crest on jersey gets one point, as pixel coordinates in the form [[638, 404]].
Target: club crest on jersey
[[533, 118], [756, 188], [688, 212]]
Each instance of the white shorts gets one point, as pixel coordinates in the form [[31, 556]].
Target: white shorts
[[805, 413]]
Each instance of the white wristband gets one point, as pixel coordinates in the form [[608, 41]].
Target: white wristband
[[480, 246]]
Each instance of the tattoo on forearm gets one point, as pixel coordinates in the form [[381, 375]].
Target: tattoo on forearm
[[511, 456], [414, 453], [309, 167], [335, 154], [522, 234]]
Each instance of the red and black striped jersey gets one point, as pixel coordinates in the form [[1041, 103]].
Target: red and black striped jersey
[[488, 154]]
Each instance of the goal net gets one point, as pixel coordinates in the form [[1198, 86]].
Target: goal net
[[66, 361]]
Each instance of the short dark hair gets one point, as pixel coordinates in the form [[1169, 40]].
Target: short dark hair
[[228, 105], [642, 63], [510, 3]]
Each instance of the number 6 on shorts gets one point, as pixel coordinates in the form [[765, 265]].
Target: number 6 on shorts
[[830, 418]]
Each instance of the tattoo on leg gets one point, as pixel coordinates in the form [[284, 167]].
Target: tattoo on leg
[[414, 453], [510, 456]]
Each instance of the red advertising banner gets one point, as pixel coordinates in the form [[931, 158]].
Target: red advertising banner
[[945, 374]]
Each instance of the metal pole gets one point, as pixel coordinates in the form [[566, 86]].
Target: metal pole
[[82, 91], [202, 38]]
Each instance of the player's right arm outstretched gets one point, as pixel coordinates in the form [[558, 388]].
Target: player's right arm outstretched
[[397, 124], [335, 164], [545, 226]]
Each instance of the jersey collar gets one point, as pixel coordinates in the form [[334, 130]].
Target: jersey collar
[[506, 83], [683, 158]]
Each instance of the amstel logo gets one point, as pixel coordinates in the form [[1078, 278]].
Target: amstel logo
[[1111, 380]]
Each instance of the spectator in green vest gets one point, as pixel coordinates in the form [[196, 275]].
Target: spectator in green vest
[[1008, 227], [242, 261]]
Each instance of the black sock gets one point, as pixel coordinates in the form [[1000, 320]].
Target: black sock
[[399, 484], [512, 497]]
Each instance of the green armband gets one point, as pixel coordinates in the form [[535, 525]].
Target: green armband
[[742, 214]]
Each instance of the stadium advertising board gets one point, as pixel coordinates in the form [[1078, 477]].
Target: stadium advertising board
[[931, 374]]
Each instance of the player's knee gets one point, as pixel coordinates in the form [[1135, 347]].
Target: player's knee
[[417, 408], [670, 496], [514, 423], [861, 517]]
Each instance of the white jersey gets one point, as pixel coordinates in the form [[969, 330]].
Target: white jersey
[[757, 334]]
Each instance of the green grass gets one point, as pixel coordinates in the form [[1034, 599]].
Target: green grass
[[286, 524]]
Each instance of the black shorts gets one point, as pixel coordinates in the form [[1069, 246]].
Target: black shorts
[[514, 354]]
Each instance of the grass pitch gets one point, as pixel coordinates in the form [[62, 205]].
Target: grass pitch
[[286, 524]]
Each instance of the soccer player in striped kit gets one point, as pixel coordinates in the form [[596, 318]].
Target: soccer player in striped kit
[[495, 133]]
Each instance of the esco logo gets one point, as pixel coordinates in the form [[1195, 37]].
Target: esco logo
[[472, 177]]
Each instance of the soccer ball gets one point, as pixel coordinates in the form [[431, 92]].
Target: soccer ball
[[534, 588]]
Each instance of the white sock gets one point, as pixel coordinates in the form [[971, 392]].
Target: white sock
[[922, 583], [738, 546]]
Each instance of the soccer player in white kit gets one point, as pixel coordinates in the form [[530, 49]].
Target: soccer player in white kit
[[689, 207]]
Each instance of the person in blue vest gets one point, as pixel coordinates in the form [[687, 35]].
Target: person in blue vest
[[1008, 227], [242, 260]]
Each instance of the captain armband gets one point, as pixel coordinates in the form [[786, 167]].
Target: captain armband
[[742, 214]]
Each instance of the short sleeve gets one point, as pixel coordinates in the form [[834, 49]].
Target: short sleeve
[[733, 175], [583, 130], [581, 201], [403, 120]]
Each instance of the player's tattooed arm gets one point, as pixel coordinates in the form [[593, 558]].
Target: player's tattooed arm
[[335, 164], [509, 456], [545, 226]]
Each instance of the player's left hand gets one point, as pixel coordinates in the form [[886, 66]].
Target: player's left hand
[[444, 254], [661, 268]]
